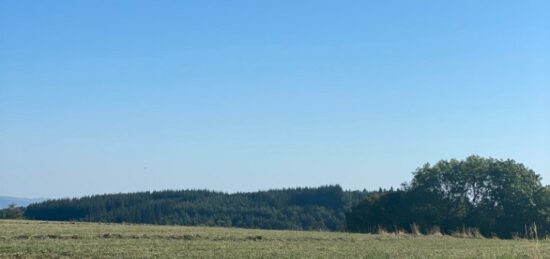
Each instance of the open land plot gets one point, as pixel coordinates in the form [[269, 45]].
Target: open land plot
[[24, 239]]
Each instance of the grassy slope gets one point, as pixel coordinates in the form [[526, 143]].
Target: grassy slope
[[53, 239]]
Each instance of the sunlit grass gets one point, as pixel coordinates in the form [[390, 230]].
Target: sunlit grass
[[77, 240]]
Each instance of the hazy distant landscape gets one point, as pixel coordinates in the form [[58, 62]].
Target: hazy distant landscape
[[19, 202]]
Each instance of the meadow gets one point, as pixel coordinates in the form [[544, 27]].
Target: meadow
[[31, 239]]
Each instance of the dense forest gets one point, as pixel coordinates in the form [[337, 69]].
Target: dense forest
[[482, 196], [320, 208], [491, 197]]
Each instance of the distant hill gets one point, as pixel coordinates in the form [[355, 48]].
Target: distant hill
[[321, 208], [5, 201]]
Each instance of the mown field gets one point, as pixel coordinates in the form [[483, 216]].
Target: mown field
[[30, 239]]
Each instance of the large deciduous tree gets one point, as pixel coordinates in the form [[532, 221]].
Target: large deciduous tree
[[499, 197]]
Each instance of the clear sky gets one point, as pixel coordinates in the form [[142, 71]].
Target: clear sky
[[118, 96]]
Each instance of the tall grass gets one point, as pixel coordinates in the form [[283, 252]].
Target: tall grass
[[467, 232]]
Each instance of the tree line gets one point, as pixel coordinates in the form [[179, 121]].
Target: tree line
[[500, 198], [320, 208]]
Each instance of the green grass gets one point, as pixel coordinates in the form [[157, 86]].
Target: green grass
[[77, 240]]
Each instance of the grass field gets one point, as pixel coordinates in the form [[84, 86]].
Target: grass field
[[76, 240]]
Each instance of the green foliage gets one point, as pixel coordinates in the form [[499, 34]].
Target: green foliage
[[498, 197], [320, 208], [482, 195], [12, 212]]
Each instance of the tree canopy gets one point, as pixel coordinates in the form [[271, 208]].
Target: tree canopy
[[498, 197], [320, 208]]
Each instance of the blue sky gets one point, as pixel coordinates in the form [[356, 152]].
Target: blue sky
[[118, 96]]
